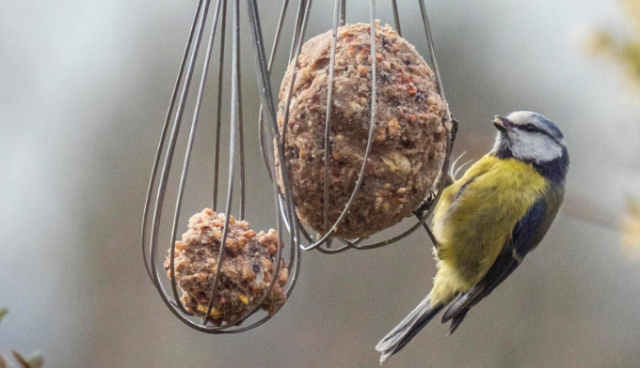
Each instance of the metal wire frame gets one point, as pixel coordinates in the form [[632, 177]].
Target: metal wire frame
[[339, 18], [159, 181]]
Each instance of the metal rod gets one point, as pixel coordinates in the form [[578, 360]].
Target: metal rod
[[327, 122], [163, 135], [187, 157], [172, 143], [281, 137], [302, 10], [276, 271], [216, 154], [290, 209], [432, 51], [241, 133], [266, 96], [267, 154], [298, 38], [396, 18], [168, 159], [233, 121], [372, 125]]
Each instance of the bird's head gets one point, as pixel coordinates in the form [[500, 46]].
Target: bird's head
[[532, 138]]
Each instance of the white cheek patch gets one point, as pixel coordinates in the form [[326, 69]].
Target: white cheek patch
[[496, 145], [535, 147]]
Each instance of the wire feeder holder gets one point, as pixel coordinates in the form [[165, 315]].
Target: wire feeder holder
[[286, 217], [155, 208], [268, 119]]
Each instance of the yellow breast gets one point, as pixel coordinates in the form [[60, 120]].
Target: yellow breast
[[477, 214]]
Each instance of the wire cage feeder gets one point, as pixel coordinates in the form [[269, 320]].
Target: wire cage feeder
[[323, 241], [187, 101]]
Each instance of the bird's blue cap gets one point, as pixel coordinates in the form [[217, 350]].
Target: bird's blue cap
[[521, 117]]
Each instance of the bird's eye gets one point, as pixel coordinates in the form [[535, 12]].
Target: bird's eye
[[530, 128]]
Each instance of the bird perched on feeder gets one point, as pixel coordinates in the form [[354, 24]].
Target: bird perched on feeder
[[489, 220]]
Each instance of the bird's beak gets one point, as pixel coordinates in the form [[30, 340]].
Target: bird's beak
[[503, 124]]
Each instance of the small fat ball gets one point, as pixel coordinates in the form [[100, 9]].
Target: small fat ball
[[246, 272], [408, 142]]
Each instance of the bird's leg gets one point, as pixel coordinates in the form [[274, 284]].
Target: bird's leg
[[435, 241], [420, 212]]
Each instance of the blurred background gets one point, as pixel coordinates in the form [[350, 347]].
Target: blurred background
[[84, 87]]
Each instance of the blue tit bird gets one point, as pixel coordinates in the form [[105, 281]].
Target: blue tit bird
[[489, 220]]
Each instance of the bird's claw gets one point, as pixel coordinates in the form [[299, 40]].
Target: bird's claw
[[426, 205]]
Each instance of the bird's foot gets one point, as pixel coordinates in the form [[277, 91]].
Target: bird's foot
[[426, 205]]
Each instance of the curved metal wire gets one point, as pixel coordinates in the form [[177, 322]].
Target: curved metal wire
[[161, 181], [323, 244], [270, 138]]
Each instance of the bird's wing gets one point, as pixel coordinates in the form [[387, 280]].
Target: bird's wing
[[454, 191], [525, 236]]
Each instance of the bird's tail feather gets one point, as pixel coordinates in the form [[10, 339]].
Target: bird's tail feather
[[456, 321], [407, 329]]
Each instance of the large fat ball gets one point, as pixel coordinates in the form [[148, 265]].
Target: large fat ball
[[409, 138]]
